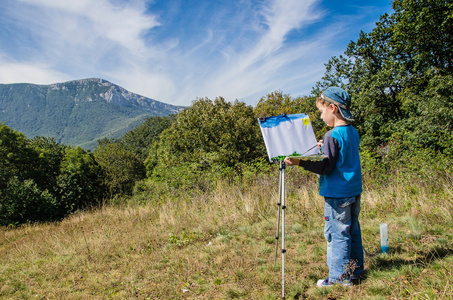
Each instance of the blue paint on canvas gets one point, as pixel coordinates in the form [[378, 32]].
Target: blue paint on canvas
[[270, 122]]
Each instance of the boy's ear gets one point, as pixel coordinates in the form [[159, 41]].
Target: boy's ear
[[333, 107]]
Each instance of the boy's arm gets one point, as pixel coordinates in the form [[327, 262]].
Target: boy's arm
[[331, 149]]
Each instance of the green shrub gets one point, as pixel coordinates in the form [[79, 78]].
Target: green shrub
[[23, 202]]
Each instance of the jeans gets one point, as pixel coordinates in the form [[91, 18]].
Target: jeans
[[344, 238]]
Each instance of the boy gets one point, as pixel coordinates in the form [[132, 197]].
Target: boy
[[340, 184]]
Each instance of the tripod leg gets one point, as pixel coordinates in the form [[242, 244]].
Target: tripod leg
[[279, 204], [283, 227], [281, 210]]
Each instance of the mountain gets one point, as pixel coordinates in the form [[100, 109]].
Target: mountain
[[78, 112]]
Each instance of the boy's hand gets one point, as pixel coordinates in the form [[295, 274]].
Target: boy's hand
[[292, 161], [320, 144]]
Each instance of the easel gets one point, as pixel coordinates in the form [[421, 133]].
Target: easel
[[281, 211], [277, 134]]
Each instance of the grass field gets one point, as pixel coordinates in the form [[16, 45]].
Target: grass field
[[220, 244]]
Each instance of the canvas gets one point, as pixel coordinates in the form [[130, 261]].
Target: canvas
[[289, 135]]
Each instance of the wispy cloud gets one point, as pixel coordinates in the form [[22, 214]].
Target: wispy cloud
[[172, 51], [14, 72], [255, 68], [86, 22], [76, 38]]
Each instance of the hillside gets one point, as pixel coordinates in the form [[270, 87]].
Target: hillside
[[76, 112], [220, 244]]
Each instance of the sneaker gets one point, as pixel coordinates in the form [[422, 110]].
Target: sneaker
[[323, 282], [326, 283]]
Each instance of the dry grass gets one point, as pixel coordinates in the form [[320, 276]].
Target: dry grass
[[220, 245]]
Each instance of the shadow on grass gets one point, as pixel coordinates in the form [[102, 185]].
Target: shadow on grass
[[423, 258]]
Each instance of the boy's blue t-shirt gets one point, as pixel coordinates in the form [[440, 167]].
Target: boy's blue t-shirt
[[340, 172]]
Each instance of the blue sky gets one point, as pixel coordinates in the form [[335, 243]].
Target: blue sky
[[176, 51]]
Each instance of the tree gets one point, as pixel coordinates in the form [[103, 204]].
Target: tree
[[41, 180], [209, 134], [46, 165], [140, 139], [274, 104], [228, 131], [80, 183], [15, 157], [423, 31], [398, 58], [23, 201], [429, 124], [121, 166]]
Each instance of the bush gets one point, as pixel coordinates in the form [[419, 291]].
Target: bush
[[121, 166], [23, 202], [80, 183], [41, 180]]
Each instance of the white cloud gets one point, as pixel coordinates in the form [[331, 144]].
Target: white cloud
[[82, 21], [259, 68], [76, 39], [240, 49], [283, 16], [158, 86], [29, 73]]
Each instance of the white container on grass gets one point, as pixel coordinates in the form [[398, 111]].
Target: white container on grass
[[384, 238]]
